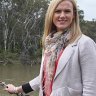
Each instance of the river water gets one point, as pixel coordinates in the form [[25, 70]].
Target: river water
[[17, 74]]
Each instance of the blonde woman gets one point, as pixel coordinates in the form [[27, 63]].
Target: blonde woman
[[68, 66]]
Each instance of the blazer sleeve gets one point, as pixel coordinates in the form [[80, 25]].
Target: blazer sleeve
[[35, 83], [87, 59]]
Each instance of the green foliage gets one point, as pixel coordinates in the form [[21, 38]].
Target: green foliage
[[8, 58], [89, 28], [8, 55]]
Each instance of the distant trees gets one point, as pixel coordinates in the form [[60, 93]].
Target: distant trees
[[90, 29], [87, 27], [81, 15]]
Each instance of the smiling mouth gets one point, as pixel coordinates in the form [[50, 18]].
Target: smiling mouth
[[62, 22]]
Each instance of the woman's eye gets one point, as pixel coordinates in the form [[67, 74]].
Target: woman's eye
[[57, 11], [67, 11]]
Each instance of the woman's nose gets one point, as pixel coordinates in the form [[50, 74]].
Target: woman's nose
[[62, 14]]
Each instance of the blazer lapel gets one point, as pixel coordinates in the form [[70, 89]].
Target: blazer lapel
[[67, 53]]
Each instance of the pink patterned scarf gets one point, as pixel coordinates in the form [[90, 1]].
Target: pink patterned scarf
[[53, 45]]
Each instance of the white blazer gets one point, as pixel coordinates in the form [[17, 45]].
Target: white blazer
[[76, 71]]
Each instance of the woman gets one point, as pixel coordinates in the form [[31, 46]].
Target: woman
[[68, 66]]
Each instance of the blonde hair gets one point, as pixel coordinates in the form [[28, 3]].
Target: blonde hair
[[48, 27]]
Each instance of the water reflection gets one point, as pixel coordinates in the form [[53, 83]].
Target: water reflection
[[17, 74]]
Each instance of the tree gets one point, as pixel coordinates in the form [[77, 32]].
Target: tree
[[22, 22]]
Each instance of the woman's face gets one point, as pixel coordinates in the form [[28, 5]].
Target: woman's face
[[63, 15]]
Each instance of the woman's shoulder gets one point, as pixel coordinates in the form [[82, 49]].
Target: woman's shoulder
[[85, 44], [84, 39]]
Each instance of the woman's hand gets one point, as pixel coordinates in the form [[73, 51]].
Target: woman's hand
[[11, 89]]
